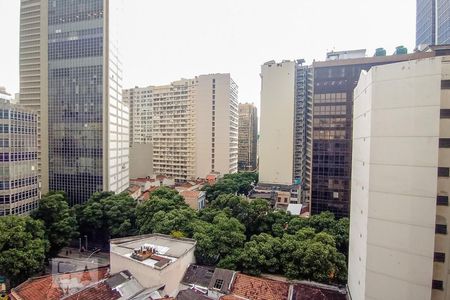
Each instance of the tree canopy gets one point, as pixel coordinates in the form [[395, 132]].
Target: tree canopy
[[59, 221], [22, 247]]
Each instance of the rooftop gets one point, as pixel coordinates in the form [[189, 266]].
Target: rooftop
[[53, 287], [256, 288], [191, 295], [209, 278], [316, 291], [154, 250]]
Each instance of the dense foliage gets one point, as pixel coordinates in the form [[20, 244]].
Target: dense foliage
[[237, 183], [22, 247], [59, 221], [232, 232]]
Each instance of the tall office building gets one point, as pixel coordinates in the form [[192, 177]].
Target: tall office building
[[432, 22], [248, 137], [276, 152], [334, 82], [33, 62], [72, 77], [192, 125], [399, 242], [19, 191]]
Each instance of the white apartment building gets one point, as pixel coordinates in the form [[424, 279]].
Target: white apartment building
[[192, 125], [276, 140], [399, 242]]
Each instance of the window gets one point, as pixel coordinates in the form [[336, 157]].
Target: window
[[437, 285], [445, 84], [445, 113], [442, 200], [441, 229], [443, 172], [439, 257], [218, 284], [444, 143]]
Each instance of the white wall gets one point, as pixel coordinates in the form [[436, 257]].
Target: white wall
[[395, 159], [277, 123]]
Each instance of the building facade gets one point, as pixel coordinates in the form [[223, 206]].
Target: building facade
[[433, 22], [276, 151], [73, 79], [248, 137], [399, 243], [33, 69], [334, 82], [443, 22], [19, 190], [192, 126], [302, 127]]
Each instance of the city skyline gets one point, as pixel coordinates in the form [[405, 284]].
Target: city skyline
[[240, 47]]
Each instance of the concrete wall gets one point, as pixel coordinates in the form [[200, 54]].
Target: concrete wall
[[277, 123], [395, 159], [141, 160], [170, 276]]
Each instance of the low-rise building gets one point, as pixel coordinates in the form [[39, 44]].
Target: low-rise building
[[57, 286], [208, 281], [195, 199], [153, 259]]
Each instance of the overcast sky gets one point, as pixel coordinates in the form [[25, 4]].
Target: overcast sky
[[170, 39]]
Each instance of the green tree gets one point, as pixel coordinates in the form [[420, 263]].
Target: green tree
[[179, 220], [59, 221], [237, 184], [261, 254], [162, 200], [217, 239], [313, 257], [107, 215], [22, 247]]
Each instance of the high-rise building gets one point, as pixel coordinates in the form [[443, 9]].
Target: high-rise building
[[302, 127], [192, 125], [248, 136], [432, 22], [334, 82], [71, 75], [140, 103], [399, 241], [443, 22], [33, 64], [276, 152], [19, 191]]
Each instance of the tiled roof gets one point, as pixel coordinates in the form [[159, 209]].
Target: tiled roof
[[53, 287], [198, 275], [255, 288], [134, 188], [193, 194], [225, 277], [317, 292], [191, 295], [100, 291]]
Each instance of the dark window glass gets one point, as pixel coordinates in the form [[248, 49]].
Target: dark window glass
[[444, 143], [445, 84], [443, 172], [439, 257], [437, 285], [441, 229], [445, 113], [442, 200]]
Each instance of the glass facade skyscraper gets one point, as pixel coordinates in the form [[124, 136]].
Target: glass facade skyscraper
[[433, 22], [443, 21], [87, 120], [426, 22]]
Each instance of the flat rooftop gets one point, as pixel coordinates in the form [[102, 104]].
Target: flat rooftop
[[165, 247]]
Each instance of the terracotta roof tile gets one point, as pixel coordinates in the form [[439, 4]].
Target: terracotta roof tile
[[255, 288], [100, 291], [50, 287]]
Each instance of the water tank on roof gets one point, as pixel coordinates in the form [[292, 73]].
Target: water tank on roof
[[400, 50], [380, 52]]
